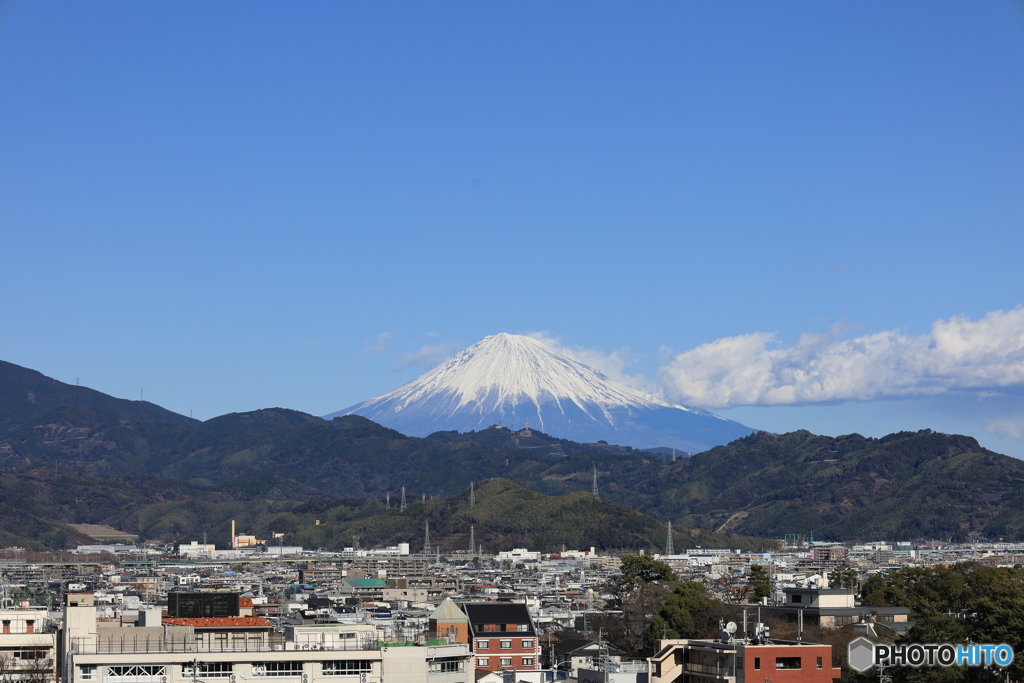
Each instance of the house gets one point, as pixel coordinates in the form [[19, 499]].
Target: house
[[573, 654], [833, 608], [502, 636]]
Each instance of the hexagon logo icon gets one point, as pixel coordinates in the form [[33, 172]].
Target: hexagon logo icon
[[861, 654]]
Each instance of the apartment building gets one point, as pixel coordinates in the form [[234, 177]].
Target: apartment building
[[202, 649], [733, 661], [503, 636]]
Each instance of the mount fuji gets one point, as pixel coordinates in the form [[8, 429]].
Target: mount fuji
[[517, 381]]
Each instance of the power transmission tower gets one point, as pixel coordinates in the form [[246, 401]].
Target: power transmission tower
[[387, 500], [401, 507], [669, 548], [472, 494], [472, 540], [594, 487], [426, 539]]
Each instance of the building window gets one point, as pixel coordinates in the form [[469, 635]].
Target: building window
[[506, 661], [506, 645], [757, 662], [279, 669], [523, 627], [787, 662], [134, 674], [819, 662], [527, 661], [446, 665], [527, 644], [208, 670], [798, 598], [483, 661], [346, 667], [88, 672], [483, 644]]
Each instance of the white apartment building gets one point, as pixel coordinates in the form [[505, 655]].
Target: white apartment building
[[28, 644], [245, 650]]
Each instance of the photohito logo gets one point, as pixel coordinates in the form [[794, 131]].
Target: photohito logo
[[863, 654]]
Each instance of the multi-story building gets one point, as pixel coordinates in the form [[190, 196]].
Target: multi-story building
[[202, 649], [502, 636], [28, 645], [734, 661]]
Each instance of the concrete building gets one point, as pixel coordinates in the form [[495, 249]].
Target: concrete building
[[708, 661], [185, 650], [28, 645], [833, 608]]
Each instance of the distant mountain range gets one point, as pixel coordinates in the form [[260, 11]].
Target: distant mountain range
[[167, 477], [517, 381]]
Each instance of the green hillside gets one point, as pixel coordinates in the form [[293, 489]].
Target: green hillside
[[26, 394], [907, 485]]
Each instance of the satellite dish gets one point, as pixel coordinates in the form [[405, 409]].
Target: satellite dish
[[731, 627]]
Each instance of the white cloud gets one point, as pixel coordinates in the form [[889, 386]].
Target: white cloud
[[375, 345], [428, 356], [612, 365], [958, 354], [1012, 427]]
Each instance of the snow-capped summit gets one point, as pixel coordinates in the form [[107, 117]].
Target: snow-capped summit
[[514, 380]]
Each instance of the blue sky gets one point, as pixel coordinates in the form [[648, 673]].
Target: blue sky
[[799, 214]]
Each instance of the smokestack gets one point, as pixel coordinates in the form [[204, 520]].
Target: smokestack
[[234, 538]]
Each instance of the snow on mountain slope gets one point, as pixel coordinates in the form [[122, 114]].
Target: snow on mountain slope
[[512, 379]]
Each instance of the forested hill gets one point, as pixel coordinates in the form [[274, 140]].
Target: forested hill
[[25, 394], [903, 486]]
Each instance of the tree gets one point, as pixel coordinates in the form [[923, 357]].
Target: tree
[[641, 569], [687, 613], [760, 581], [843, 576]]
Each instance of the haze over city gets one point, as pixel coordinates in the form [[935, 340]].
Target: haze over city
[[798, 216]]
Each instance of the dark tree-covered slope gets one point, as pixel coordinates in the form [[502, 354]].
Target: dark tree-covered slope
[[25, 394]]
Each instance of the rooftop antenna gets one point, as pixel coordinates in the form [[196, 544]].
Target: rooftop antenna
[[401, 507], [472, 493], [594, 486], [426, 539], [669, 549], [472, 539]]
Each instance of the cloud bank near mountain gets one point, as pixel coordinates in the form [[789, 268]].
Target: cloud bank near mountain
[[958, 354]]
